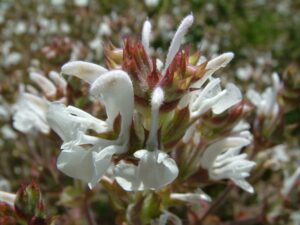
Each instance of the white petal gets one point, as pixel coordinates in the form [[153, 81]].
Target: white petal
[[99, 126], [276, 82], [86, 71], [30, 113], [116, 90], [203, 100], [67, 122], [146, 36], [220, 61], [60, 121], [192, 198], [58, 80], [102, 161], [214, 65], [176, 41], [218, 147], [140, 153], [46, 85], [244, 185], [154, 174], [76, 163], [126, 177], [232, 97], [154, 171], [241, 126], [254, 97]]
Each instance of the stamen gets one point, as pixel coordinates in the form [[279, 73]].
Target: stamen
[[176, 41], [156, 102]]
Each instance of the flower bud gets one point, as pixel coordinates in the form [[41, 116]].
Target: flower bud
[[28, 203], [150, 208]]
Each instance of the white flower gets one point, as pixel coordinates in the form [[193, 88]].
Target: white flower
[[155, 168], [30, 109], [154, 171], [84, 156], [266, 103], [223, 160], [30, 114], [212, 97]]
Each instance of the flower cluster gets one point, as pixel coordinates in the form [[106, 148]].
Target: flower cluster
[[151, 108]]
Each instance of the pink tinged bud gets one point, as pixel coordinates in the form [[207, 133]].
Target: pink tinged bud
[[46, 85], [86, 71], [29, 202]]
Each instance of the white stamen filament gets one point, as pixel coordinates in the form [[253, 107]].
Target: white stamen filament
[[156, 102], [176, 41]]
